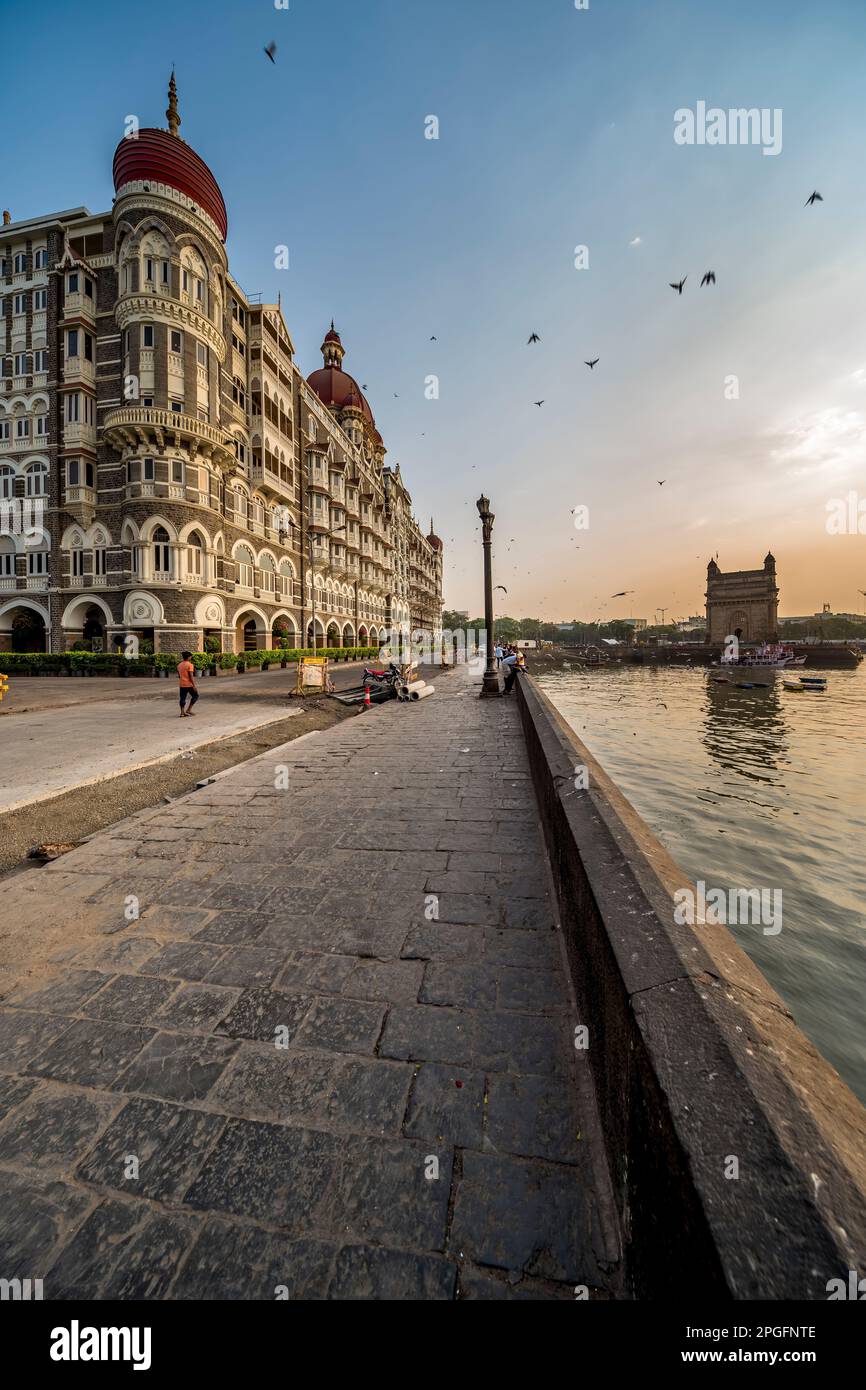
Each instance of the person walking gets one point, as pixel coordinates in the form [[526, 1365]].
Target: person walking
[[498, 653], [188, 687]]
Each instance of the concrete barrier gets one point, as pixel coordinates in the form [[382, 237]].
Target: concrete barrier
[[696, 1062]]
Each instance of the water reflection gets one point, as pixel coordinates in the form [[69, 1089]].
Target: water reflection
[[760, 788], [744, 731]]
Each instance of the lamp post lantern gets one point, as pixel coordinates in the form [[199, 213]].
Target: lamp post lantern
[[490, 685]]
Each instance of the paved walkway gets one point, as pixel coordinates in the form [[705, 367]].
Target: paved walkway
[[67, 733], [332, 1056]]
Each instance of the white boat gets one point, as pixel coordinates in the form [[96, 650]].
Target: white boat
[[770, 654]]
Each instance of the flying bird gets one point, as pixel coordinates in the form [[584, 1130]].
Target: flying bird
[[533, 338], [538, 403], [678, 285], [434, 339], [709, 278], [661, 481], [271, 50], [814, 198], [593, 363], [623, 593]]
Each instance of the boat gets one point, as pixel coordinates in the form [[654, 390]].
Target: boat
[[813, 682], [768, 654], [795, 686]]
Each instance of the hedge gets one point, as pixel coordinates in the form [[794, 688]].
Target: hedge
[[113, 664]]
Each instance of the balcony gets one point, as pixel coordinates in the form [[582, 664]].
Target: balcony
[[131, 426]]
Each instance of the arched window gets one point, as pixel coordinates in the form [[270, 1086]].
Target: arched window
[[161, 553], [244, 564], [268, 573], [7, 481], [37, 480], [195, 556], [7, 561]]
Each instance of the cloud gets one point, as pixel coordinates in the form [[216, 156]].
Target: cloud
[[638, 241], [831, 441]]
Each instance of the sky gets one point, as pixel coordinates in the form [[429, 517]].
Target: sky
[[556, 131]]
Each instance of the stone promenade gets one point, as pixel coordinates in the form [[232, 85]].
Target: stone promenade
[[332, 1055]]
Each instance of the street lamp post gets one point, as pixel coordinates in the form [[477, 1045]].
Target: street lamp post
[[490, 685]]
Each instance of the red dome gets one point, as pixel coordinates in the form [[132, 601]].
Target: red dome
[[337, 390], [165, 158]]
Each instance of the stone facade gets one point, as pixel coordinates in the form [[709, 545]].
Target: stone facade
[[188, 481], [744, 603]]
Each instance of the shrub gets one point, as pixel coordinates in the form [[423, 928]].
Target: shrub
[[212, 645]]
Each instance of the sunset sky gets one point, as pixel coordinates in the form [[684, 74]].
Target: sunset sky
[[556, 130]]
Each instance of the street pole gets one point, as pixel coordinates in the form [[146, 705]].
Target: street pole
[[490, 685]]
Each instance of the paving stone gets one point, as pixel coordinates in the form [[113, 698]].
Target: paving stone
[[179, 922], [196, 1008], [369, 1096], [423, 1034], [232, 1262], [447, 1104], [470, 908], [37, 1215], [260, 1012], [381, 1190], [234, 928], [185, 960], [346, 1025], [299, 931], [490, 1286], [537, 950], [13, 1090], [523, 1216], [533, 1116], [128, 953], [63, 995], [486, 861], [363, 1272], [529, 914], [130, 999], [23, 1036], [240, 896], [320, 974], [267, 1172], [379, 940], [124, 1251], [442, 942], [91, 1053], [247, 966], [520, 1043], [170, 1144], [53, 1128], [532, 991], [466, 986], [178, 1067], [274, 1084], [299, 898], [396, 981]]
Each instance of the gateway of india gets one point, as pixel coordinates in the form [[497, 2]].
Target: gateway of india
[[743, 603]]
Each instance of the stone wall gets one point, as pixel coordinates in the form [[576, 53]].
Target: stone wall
[[695, 1061]]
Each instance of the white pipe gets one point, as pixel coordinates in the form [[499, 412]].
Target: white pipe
[[413, 685], [422, 694]]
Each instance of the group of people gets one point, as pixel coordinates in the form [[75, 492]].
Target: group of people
[[509, 659]]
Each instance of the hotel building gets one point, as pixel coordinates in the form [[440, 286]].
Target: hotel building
[[188, 480]]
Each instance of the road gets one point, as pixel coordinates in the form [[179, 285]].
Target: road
[[59, 734]]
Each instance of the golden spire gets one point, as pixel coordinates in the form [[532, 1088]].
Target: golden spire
[[172, 112]]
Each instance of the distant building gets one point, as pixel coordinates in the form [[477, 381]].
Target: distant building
[[695, 624], [639, 624], [743, 603]]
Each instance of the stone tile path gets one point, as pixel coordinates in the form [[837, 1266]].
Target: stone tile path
[[331, 1056]]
